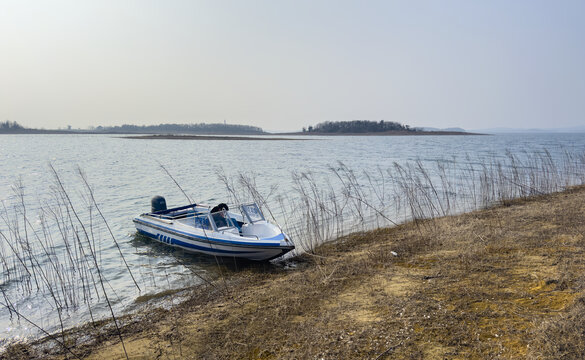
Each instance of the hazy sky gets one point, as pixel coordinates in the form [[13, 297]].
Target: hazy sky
[[282, 65]]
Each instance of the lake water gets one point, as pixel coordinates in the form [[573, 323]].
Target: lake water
[[126, 173]]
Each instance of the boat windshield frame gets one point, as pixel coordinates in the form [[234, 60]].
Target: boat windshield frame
[[252, 212]]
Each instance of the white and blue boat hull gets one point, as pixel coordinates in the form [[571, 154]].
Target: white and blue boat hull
[[228, 243]]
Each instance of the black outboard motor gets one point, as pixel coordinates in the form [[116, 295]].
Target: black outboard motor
[[158, 203]]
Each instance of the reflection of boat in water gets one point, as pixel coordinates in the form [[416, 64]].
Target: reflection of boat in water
[[243, 232]]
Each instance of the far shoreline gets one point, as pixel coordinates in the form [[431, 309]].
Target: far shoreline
[[219, 136], [262, 136]]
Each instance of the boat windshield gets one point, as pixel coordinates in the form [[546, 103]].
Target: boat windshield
[[252, 212], [202, 222], [222, 220]]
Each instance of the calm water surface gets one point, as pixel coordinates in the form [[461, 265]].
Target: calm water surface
[[126, 173]]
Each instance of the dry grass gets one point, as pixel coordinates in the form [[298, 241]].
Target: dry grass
[[504, 282]]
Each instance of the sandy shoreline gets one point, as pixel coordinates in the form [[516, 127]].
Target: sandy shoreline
[[202, 137], [307, 135]]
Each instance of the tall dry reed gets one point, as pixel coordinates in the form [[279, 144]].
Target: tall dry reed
[[51, 254], [324, 208]]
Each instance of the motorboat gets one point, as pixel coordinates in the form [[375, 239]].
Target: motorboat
[[241, 231]]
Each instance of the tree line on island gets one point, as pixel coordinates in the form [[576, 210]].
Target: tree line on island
[[13, 127], [201, 128], [358, 126], [10, 126]]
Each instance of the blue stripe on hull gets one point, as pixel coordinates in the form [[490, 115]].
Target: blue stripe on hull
[[209, 239], [173, 241]]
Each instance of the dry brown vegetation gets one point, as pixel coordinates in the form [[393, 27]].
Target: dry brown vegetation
[[504, 282]]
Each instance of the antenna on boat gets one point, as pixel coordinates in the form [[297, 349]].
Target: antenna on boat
[[176, 183]]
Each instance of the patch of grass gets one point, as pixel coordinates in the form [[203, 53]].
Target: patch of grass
[[162, 294]]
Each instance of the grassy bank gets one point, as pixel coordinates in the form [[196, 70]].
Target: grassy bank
[[506, 281]]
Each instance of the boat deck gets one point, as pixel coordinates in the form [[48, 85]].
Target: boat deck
[[178, 213]]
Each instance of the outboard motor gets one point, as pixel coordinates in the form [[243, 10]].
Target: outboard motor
[[158, 203]]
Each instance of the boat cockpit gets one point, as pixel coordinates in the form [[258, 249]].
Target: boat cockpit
[[218, 218]]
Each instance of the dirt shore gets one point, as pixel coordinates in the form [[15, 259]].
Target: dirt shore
[[502, 282]]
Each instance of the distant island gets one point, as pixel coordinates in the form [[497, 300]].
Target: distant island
[[12, 127], [369, 127], [202, 128], [357, 126], [327, 128]]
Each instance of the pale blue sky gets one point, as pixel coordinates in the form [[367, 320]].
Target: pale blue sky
[[284, 65]]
